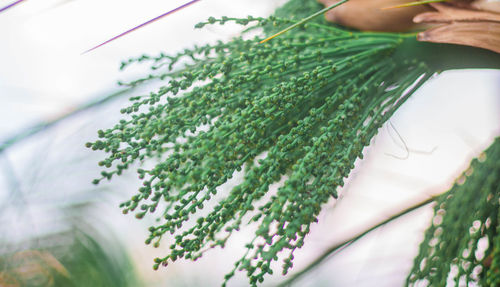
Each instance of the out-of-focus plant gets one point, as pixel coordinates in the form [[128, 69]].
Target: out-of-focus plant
[[463, 241], [461, 245], [76, 259], [49, 235]]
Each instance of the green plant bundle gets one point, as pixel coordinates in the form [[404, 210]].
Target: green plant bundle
[[462, 244], [309, 101], [298, 110]]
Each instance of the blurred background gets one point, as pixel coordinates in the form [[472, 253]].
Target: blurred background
[[57, 229]]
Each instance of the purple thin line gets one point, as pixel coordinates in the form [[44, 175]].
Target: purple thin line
[[142, 25], [11, 5]]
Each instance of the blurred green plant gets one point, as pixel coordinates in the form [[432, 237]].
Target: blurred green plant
[[77, 259], [462, 243], [48, 233]]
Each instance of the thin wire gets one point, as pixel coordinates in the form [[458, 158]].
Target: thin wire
[[407, 149], [143, 24], [402, 140], [11, 5]]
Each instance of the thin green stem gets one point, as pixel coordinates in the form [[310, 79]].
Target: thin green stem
[[415, 3], [320, 12]]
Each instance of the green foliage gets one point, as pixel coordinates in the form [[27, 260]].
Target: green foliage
[[308, 102], [49, 234], [90, 263], [462, 244], [73, 259]]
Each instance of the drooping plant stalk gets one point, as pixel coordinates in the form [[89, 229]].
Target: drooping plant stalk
[[462, 244], [310, 101], [307, 103]]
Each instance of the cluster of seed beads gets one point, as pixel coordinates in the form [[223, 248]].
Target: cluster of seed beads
[[464, 216], [310, 99]]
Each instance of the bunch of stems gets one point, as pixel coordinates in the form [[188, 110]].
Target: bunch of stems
[[307, 102]]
